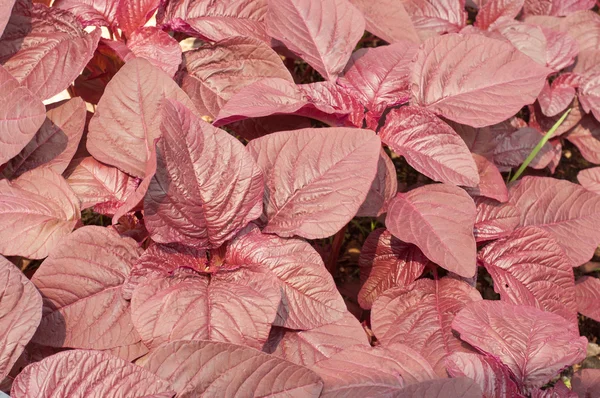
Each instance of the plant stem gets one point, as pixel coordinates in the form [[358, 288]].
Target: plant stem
[[336, 246], [540, 145]]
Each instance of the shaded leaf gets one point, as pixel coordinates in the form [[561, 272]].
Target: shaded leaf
[[586, 383], [442, 388], [91, 12], [590, 179], [586, 137], [587, 293], [514, 147], [156, 46], [133, 14], [383, 188], [388, 20], [491, 183]]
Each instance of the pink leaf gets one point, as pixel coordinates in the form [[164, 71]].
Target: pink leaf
[[559, 390], [491, 183], [215, 21], [529, 268], [586, 383], [383, 188], [157, 47], [95, 375], [534, 344], [493, 377], [81, 284], [558, 8], [481, 141], [127, 120], [315, 179], [55, 143], [50, 53], [422, 216], [309, 295], [388, 20], [432, 18], [495, 12], [494, 220], [324, 101], [514, 147], [311, 346], [429, 145], [586, 137], [556, 98], [206, 188], [216, 72], [217, 307], [470, 87], [322, 33], [442, 388], [386, 262], [5, 11], [590, 179], [584, 27], [561, 49], [133, 14], [379, 77], [129, 352], [587, 292], [589, 94], [588, 61], [208, 368], [360, 371], [528, 39], [419, 316], [37, 210], [21, 309], [21, 115], [562, 208], [91, 12], [104, 187]]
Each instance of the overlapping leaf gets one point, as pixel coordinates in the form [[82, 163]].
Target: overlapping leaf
[[442, 388], [491, 183], [315, 179], [587, 293], [495, 12], [439, 220], [534, 344], [590, 179], [514, 147], [383, 188], [5, 11], [432, 18], [556, 7], [494, 220], [91, 12], [589, 94], [586, 137], [157, 47], [586, 381], [388, 20], [133, 14]]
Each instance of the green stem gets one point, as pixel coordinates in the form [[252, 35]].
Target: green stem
[[540, 145]]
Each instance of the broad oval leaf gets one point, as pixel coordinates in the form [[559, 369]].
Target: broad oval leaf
[[156, 46], [90, 12], [494, 220], [21, 115], [429, 145], [191, 306], [561, 49], [590, 179], [586, 137], [439, 219], [216, 72], [556, 98], [104, 187], [309, 297], [528, 39], [322, 33], [562, 208], [206, 187], [215, 21], [383, 188], [133, 14], [442, 388], [5, 11], [308, 347], [558, 8], [20, 314], [468, 89], [534, 344], [492, 376], [81, 282], [433, 18], [495, 12], [589, 94], [209, 368], [388, 20], [584, 27], [96, 375], [386, 262], [530, 268], [55, 143], [587, 293], [315, 179], [491, 183], [127, 120], [514, 147], [45, 49], [586, 381], [420, 315], [37, 210]]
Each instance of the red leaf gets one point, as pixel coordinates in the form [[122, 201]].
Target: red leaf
[[90, 12], [556, 98], [37, 210], [216, 72], [491, 182], [5, 11], [96, 375], [386, 262], [561, 49], [383, 188], [429, 145], [442, 388], [315, 179], [207, 368], [422, 216], [584, 27], [388, 20], [528, 39], [133, 14], [322, 33], [311, 346], [529, 268], [156, 46], [55, 143], [127, 120], [432, 18], [21, 309], [206, 187], [494, 220], [21, 115], [558, 8], [514, 147], [586, 137], [494, 12], [419, 316], [534, 344], [470, 88], [217, 308], [562, 208], [589, 94], [590, 179], [81, 284], [587, 292], [45, 49], [586, 383]]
